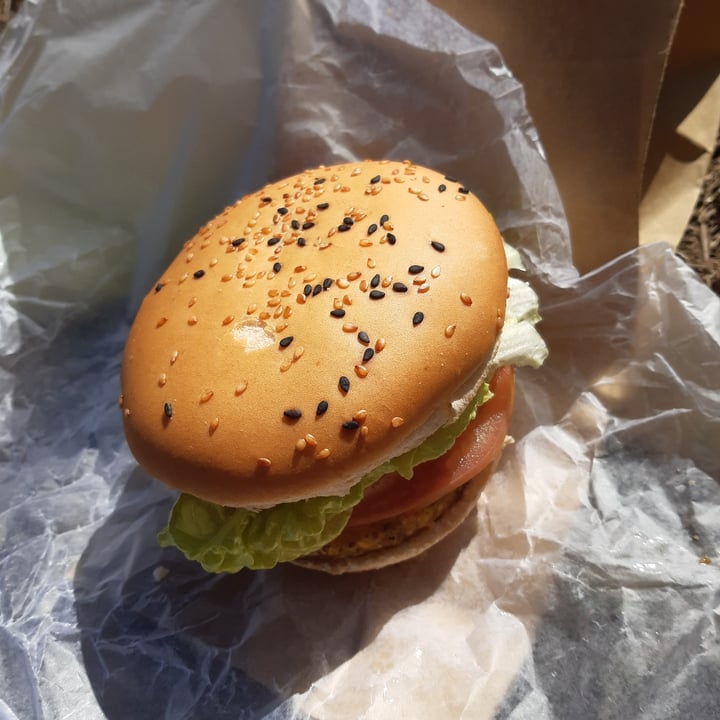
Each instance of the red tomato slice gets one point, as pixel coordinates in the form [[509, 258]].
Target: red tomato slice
[[471, 453]]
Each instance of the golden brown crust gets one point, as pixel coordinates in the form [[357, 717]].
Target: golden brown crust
[[363, 539], [453, 515], [228, 439]]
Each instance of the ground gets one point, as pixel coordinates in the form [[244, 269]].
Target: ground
[[700, 245]]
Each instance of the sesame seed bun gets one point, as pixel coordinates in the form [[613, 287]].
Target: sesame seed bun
[[312, 331]]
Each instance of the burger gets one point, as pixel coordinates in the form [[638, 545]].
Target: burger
[[325, 372]]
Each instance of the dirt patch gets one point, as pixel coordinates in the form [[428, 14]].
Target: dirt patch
[[700, 244]]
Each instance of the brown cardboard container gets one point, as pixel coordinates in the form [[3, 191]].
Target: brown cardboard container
[[593, 75], [686, 125]]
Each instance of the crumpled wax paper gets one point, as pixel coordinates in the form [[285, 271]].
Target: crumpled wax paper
[[588, 584]]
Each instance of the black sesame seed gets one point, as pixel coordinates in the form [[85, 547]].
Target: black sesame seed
[[418, 317], [375, 280], [451, 178], [372, 229], [368, 354], [399, 287], [308, 225], [438, 246], [286, 341], [348, 221], [276, 267], [415, 269], [321, 408], [273, 241], [377, 294], [198, 274], [319, 181], [307, 290], [323, 206], [384, 219], [343, 228], [292, 413], [266, 199], [237, 241], [351, 425], [317, 290], [374, 180], [344, 383], [168, 410], [338, 313], [442, 187], [363, 337], [283, 210], [301, 241], [158, 287], [463, 190], [327, 283], [391, 239], [295, 224]]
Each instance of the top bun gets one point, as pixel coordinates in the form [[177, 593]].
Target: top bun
[[313, 330]]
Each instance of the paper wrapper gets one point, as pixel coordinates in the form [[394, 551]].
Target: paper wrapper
[[587, 584]]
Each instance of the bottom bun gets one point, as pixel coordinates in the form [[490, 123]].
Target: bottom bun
[[456, 506]]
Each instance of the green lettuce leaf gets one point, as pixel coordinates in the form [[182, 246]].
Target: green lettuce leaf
[[226, 539]]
